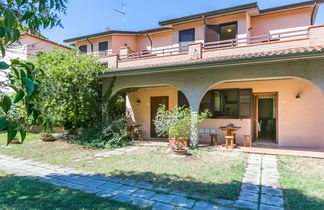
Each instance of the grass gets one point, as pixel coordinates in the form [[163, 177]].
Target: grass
[[30, 136], [302, 181], [21, 193], [208, 173]]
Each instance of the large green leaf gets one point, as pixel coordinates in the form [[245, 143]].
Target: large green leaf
[[27, 15], [10, 18], [3, 124], [29, 85], [11, 133], [19, 96], [6, 104], [4, 65], [23, 134]]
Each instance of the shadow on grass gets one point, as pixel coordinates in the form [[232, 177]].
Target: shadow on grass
[[22, 193], [189, 185]]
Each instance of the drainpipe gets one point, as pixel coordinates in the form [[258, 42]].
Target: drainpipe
[[148, 36], [90, 44], [313, 13]]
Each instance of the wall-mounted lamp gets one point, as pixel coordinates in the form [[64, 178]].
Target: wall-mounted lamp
[[138, 102], [298, 96], [250, 29]]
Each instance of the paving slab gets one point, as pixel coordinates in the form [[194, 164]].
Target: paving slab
[[272, 200], [110, 186], [144, 185], [182, 202], [142, 202], [272, 191], [127, 189], [250, 188], [162, 206], [247, 196], [165, 198], [106, 194], [224, 202], [204, 205], [246, 204], [269, 207], [178, 192], [123, 198], [128, 182], [144, 194]]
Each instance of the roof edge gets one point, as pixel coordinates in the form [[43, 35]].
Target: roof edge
[[210, 13]]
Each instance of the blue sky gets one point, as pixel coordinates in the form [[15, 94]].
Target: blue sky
[[92, 16]]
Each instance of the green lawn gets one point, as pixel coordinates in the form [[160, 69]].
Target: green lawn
[[302, 180], [21, 193], [209, 173]]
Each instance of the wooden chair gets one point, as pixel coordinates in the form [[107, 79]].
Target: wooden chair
[[229, 141], [247, 138], [213, 139]]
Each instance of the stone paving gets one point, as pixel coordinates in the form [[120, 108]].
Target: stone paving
[[260, 185], [113, 152], [124, 190]]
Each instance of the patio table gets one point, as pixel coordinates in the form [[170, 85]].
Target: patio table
[[230, 131]]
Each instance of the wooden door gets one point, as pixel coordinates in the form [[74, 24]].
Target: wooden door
[[155, 103]]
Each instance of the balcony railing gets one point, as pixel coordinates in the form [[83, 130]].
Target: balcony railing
[[287, 35], [156, 52]]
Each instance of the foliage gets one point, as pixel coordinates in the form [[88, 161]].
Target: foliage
[[24, 83], [14, 15], [113, 135], [71, 92], [177, 123]]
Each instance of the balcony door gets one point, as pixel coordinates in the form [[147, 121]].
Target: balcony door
[[155, 103], [220, 32], [186, 37]]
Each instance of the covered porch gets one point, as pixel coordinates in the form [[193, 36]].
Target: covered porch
[[279, 112]]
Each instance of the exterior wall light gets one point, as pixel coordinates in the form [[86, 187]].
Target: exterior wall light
[[138, 102], [298, 96], [250, 29]]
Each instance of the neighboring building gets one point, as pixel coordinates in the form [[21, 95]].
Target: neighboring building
[[27, 47], [262, 70]]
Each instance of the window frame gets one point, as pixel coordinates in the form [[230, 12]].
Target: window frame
[[103, 42], [86, 48], [226, 24], [239, 116], [190, 29]]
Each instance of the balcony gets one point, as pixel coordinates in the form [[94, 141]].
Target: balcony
[[278, 40]]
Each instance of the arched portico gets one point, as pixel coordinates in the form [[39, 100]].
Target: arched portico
[[194, 81]]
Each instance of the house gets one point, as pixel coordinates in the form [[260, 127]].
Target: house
[[262, 70], [26, 48]]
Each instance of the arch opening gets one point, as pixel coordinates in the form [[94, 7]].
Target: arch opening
[[291, 108]]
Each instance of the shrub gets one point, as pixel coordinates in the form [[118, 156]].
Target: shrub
[[112, 135]]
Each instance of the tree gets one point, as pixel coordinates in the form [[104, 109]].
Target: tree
[[35, 14], [70, 91]]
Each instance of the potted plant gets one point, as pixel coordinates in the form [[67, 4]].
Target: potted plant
[[177, 124], [15, 141], [46, 136]]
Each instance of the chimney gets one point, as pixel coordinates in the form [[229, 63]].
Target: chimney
[[106, 29]]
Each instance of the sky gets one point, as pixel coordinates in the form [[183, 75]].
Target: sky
[[93, 16]]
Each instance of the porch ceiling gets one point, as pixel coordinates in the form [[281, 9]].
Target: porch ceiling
[[269, 56]]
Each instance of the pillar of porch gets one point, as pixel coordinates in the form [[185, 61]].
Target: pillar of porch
[[194, 130]]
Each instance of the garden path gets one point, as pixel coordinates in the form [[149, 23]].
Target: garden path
[[122, 190]]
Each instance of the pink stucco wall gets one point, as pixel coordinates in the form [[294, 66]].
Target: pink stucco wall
[[263, 24]]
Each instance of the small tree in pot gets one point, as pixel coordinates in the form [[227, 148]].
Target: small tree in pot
[[177, 125]]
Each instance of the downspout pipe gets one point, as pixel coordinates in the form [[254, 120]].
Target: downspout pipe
[[313, 13], [91, 44], [151, 43]]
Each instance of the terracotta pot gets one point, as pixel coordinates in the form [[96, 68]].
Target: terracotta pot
[[15, 141], [178, 140], [47, 138], [180, 152]]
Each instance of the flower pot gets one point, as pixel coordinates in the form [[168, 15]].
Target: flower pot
[[180, 151], [178, 140], [15, 141], [47, 138]]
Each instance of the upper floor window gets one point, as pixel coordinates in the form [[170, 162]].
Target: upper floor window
[[103, 46], [221, 32], [228, 31], [186, 36], [83, 48]]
